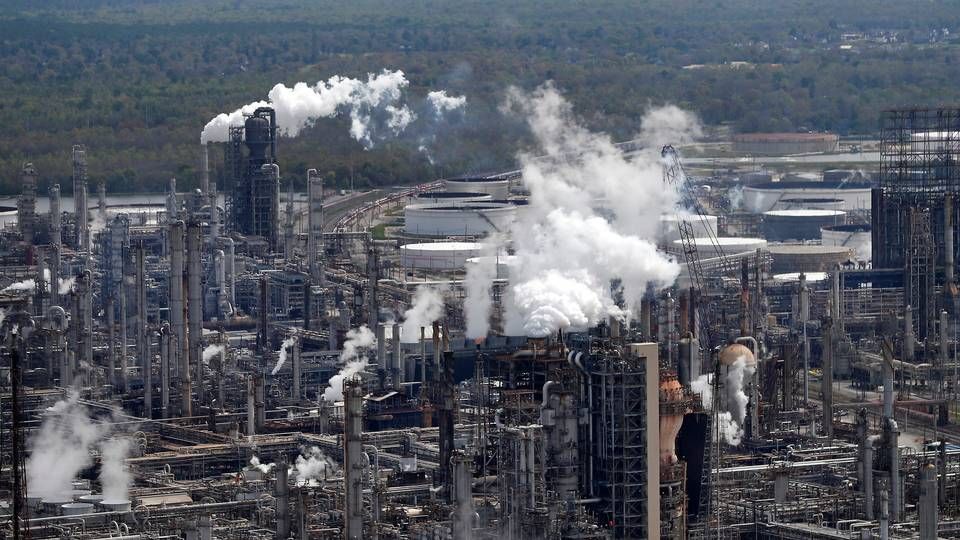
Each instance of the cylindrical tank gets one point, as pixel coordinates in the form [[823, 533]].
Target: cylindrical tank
[[439, 255], [116, 505], [780, 225], [703, 226], [794, 277], [452, 197], [809, 203], [729, 245], [467, 219], [54, 503], [856, 236], [76, 509], [502, 262], [761, 198], [807, 257], [498, 188], [257, 136]]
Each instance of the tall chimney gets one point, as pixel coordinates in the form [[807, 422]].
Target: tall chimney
[[80, 194], [166, 352], [177, 315], [195, 303], [397, 363], [297, 368], [55, 243], [204, 169], [143, 341], [353, 459], [27, 204], [315, 225]]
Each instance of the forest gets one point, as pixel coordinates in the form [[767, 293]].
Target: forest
[[136, 80]]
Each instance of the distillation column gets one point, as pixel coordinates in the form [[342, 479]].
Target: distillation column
[[353, 459], [143, 342], [195, 305], [315, 220], [177, 323], [55, 244]]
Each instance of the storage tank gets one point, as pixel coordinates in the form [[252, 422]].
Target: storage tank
[[807, 257], [498, 188], [76, 509], [703, 226], [801, 224], [856, 236], [728, 245], [502, 262], [467, 219], [761, 198], [451, 197], [439, 255], [116, 505], [794, 277], [811, 203]]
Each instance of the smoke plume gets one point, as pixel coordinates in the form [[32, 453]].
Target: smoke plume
[[593, 217], [729, 422], [310, 466], [60, 449], [374, 105], [441, 103], [282, 353], [265, 468], [210, 351], [64, 285], [354, 361], [426, 308], [114, 473], [478, 282]]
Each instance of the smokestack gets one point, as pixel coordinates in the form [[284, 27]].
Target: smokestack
[[102, 199], [251, 405], [143, 342], [27, 204], [381, 329], [282, 493], [297, 348], [307, 303], [111, 343], [928, 502], [204, 169], [80, 194], [826, 379], [353, 459], [260, 404], [195, 304], [948, 258], [173, 205], [177, 322], [804, 294], [55, 243], [423, 360], [463, 495], [288, 239], [262, 345], [166, 351], [315, 219], [397, 363]]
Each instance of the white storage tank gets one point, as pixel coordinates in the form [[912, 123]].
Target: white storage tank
[[799, 224], [761, 198], [498, 188], [451, 197], [703, 226], [502, 262], [856, 236], [467, 219], [726, 245], [809, 203], [439, 255]]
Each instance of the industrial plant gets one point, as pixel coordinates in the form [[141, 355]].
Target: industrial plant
[[613, 340]]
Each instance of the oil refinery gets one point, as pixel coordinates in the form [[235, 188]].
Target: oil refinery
[[608, 342]]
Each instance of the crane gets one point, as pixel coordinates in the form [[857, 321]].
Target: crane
[[674, 175]]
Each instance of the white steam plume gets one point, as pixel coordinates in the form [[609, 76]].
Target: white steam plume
[[441, 103], [374, 104], [114, 473], [593, 217], [262, 467], [60, 449], [427, 307], [729, 422], [282, 353], [354, 360], [478, 282], [310, 466], [211, 351], [64, 285]]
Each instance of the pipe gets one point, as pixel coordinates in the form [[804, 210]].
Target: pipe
[[143, 343], [176, 301], [909, 339], [398, 369], [948, 255]]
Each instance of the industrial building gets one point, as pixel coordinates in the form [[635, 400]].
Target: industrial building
[[253, 363]]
